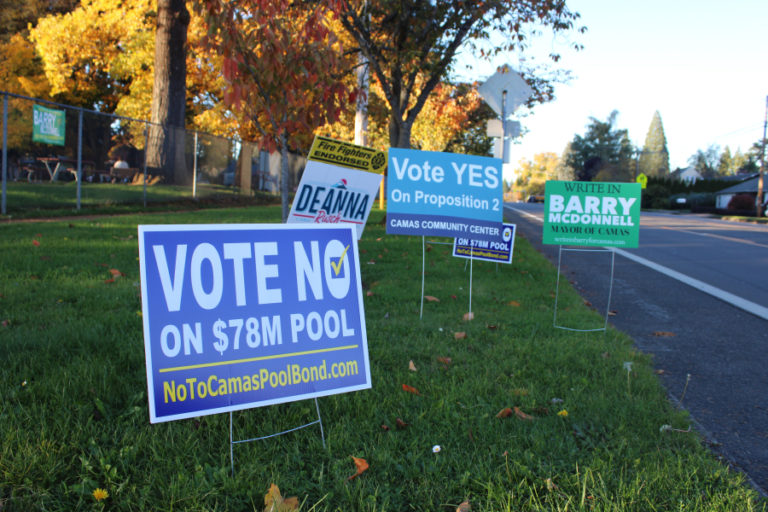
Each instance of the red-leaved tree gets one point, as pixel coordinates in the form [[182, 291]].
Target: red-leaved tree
[[280, 63]]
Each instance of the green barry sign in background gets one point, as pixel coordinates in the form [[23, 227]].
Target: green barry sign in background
[[48, 125], [592, 214]]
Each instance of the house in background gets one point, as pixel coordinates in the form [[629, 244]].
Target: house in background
[[688, 175], [748, 186]]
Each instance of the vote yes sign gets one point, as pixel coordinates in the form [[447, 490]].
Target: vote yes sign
[[444, 194], [245, 315]]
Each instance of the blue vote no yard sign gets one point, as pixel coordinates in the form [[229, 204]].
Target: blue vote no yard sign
[[239, 316]]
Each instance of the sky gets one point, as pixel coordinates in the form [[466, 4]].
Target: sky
[[702, 64]]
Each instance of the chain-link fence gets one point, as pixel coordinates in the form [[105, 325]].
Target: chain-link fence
[[56, 156]]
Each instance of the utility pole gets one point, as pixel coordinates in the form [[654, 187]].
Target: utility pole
[[759, 199]]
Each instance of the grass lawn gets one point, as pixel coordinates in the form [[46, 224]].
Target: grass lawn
[[592, 429], [56, 199]]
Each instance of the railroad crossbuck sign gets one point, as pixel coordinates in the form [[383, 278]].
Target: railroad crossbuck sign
[[444, 194], [239, 316], [592, 214]]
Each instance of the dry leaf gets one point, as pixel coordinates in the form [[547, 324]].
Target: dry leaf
[[664, 334], [35, 243], [430, 298], [460, 335], [410, 389], [361, 465], [412, 366], [550, 485], [445, 360], [401, 424], [513, 303], [587, 303], [464, 507], [505, 413], [369, 293], [453, 297], [274, 501], [469, 316], [492, 327], [116, 272], [520, 414], [660, 371], [108, 281], [384, 427], [612, 313]]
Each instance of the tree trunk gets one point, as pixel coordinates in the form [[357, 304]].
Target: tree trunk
[[284, 175], [165, 147], [399, 132]]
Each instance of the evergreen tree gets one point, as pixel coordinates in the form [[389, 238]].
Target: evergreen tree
[[603, 153], [654, 158]]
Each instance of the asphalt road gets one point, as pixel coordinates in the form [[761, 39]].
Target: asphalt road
[[702, 284]]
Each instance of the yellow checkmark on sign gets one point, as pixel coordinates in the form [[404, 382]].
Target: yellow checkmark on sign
[[337, 266]]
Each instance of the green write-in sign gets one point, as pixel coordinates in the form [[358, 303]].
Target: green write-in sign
[[48, 125], [592, 214]]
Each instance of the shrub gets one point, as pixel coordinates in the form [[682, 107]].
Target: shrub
[[741, 202]]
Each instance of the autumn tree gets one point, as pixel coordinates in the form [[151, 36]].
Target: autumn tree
[[532, 175], [453, 120], [603, 153], [279, 59], [16, 16], [410, 45], [654, 157]]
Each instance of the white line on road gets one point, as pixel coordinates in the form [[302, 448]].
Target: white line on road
[[734, 300], [748, 306]]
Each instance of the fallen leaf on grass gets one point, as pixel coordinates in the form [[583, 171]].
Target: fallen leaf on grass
[[459, 335], [412, 366], [369, 293], [274, 501], [384, 427], [660, 371], [513, 303], [116, 272], [430, 298], [453, 297], [520, 414], [445, 360], [35, 243], [469, 316], [410, 389], [401, 424], [504, 413], [109, 281], [587, 303], [492, 327], [361, 465], [464, 507], [664, 334]]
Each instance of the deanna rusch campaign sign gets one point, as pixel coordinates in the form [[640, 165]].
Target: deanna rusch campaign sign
[[592, 214], [239, 316]]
